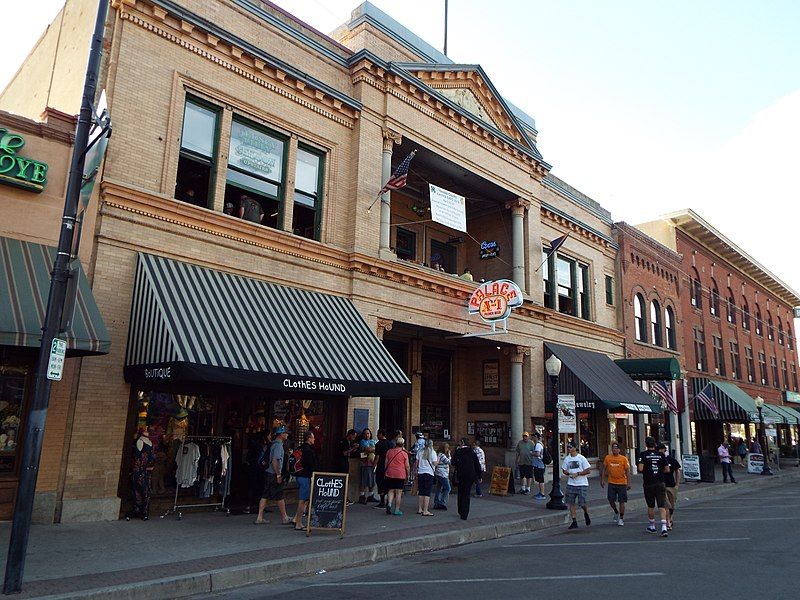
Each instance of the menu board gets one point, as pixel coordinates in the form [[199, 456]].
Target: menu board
[[327, 505], [501, 477], [492, 433]]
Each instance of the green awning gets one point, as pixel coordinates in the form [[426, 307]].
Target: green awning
[[649, 369], [733, 403], [788, 417], [792, 411], [24, 285]]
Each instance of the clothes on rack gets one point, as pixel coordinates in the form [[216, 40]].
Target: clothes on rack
[[225, 479], [187, 460]]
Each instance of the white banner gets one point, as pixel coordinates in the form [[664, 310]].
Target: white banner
[[691, 467], [567, 418], [755, 463], [448, 208]]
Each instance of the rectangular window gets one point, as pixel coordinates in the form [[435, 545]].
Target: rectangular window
[[735, 368], [196, 161], [444, 256], [719, 357], [255, 173], [565, 278], [15, 367], [762, 368], [583, 292], [751, 367], [609, 290], [547, 278], [785, 374], [406, 244], [794, 377], [307, 192], [700, 350], [776, 381]]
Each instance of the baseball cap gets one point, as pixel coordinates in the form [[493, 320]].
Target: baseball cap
[[571, 445], [419, 434], [525, 434], [279, 430]]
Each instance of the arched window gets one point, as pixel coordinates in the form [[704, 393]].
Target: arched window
[[759, 322], [697, 289], [770, 328], [655, 323], [780, 331], [714, 306], [638, 318], [745, 314], [670, 327], [731, 307]]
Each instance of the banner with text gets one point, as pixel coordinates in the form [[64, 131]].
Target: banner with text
[[448, 208]]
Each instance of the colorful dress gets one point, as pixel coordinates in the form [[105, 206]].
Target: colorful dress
[[144, 459]]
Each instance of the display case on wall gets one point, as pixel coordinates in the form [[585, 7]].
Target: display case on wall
[[492, 433]]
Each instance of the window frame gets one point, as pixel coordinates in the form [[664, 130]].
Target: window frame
[[320, 191], [700, 350], [736, 371], [669, 328], [656, 325], [412, 235], [719, 355], [211, 161], [762, 368], [639, 322], [697, 290], [759, 323], [609, 290], [731, 308], [751, 364], [780, 332], [773, 363], [770, 327], [713, 304], [785, 369], [745, 314], [280, 197]]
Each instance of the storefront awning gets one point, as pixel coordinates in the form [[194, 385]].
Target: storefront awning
[[597, 382], [792, 411], [195, 325], [733, 403], [650, 369], [25, 269], [789, 417]]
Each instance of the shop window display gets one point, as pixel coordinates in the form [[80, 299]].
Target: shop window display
[[13, 377]]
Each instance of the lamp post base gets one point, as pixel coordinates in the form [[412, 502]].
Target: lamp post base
[[556, 499]]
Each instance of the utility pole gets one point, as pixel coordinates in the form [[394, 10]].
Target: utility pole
[[37, 414], [445, 27]]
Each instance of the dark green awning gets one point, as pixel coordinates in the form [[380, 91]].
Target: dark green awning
[[650, 369], [24, 285]]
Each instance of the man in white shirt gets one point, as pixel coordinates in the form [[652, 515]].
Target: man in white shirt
[[576, 468]]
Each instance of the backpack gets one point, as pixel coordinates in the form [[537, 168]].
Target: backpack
[[547, 458], [296, 461], [263, 459]]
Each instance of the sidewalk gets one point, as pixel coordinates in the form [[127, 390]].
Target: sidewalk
[[206, 551]]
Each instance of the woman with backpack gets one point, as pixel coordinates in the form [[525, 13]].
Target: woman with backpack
[[426, 470]]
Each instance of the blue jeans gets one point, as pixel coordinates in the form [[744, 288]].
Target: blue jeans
[[442, 492], [478, 488]]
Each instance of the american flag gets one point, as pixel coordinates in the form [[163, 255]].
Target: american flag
[[663, 391], [706, 396], [400, 176]]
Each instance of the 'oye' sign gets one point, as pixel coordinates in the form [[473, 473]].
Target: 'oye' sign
[[17, 170]]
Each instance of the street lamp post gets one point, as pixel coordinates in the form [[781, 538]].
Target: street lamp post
[[553, 367], [765, 470]]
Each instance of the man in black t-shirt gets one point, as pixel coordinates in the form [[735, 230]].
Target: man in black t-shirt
[[671, 481], [652, 465], [381, 448]]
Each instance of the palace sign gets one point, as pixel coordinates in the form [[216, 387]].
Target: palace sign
[[17, 170], [494, 300]]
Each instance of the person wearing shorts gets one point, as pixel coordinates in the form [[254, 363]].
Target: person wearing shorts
[[617, 473], [671, 481], [273, 484], [652, 465], [538, 465], [308, 463], [524, 460], [577, 469], [397, 471]]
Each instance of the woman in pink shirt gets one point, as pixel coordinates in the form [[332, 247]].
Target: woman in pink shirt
[[396, 475]]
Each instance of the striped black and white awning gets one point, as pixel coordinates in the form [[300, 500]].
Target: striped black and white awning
[[196, 325], [734, 404]]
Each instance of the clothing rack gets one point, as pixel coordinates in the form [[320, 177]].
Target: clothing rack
[[218, 506]]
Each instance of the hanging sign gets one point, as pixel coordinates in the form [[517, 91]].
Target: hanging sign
[[493, 300], [17, 170], [327, 505], [567, 417], [489, 249], [691, 467], [448, 208]]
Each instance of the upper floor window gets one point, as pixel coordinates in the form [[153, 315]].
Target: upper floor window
[[570, 280], [697, 289], [770, 328], [547, 271], [714, 304], [565, 277], [583, 291], [745, 314], [735, 366], [731, 307], [759, 322], [609, 290], [655, 323], [785, 374], [405, 244], [794, 377], [790, 341], [700, 350], [780, 331], [670, 327], [762, 368], [640, 325], [197, 157], [751, 367], [773, 362], [307, 191], [719, 356]]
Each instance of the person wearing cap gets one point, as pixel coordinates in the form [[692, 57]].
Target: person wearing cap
[[468, 471], [273, 485], [671, 482], [576, 468], [524, 462], [538, 465], [652, 465], [617, 473]]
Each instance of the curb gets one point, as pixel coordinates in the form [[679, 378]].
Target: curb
[[229, 578]]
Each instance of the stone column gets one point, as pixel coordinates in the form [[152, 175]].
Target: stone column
[[416, 387], [518, 208], [517, 425], [389, 139], [286, 215], [384, 325]]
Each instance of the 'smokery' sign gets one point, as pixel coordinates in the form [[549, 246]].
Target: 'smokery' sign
[[17, 170]]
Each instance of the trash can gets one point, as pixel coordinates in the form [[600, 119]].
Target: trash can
[[708, 469]]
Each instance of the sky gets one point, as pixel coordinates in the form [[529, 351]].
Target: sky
[[647, 107]]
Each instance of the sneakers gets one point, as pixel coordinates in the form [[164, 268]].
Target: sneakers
[[540, 496], [524, 492], [669, 526], [615, 518], [587, 519], [664, 533], [573, 525], [651, 529], [621, 522]]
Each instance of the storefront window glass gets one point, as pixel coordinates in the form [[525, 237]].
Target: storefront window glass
[[566, 290], [435, 400], [13, 378], [587, 428]]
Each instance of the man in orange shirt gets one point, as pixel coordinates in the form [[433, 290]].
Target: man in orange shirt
[[617, 473]]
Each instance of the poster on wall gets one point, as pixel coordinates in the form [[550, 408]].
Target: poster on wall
[[567, 418], [491, 377], [691, 467], [448, 208]]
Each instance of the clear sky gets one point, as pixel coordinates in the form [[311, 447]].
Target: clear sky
[[648, 107]]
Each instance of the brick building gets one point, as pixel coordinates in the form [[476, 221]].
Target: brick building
[[249, 274], [737, 333]]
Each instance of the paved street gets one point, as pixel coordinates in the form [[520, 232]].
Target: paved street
[[737, 546]]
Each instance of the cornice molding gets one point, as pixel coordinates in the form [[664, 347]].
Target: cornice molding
[[15, 123], [571, 226], [238, 59]]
